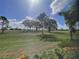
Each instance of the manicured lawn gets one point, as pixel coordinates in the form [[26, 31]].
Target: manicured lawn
[[13, 43]]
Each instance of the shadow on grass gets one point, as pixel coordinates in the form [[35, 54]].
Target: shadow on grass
[[48, 37], [60, 33], [3, 33]]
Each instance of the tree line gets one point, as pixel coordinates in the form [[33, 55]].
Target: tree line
[[45, 22], [42, 21]]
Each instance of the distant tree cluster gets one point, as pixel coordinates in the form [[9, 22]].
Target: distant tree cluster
[[47, 22], [32, 24], [42, 21]]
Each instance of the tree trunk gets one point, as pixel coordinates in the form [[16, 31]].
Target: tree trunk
[[42, 31], [49, 29], [30, 28], [71, 35], [2, 27], [2, 30], [36, 28]]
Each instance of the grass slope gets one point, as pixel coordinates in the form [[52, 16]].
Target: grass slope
[[12, 43]]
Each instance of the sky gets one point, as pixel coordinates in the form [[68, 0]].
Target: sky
[[17, 10]]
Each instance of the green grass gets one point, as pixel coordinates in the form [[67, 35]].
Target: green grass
[[29, 42], [56, 36]]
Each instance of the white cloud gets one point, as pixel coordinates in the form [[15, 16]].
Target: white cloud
[[13, 23], [27, 18], [58, 5], [22, 21], [62, 26], [77, 25]]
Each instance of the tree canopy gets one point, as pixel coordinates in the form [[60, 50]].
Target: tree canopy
[[4, 23]]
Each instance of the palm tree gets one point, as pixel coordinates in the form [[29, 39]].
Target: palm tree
[[4, 23]]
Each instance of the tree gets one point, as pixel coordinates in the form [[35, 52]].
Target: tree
[[41, 18], [32, 24], [47, 22], [37, 24], [50, 24], [4, 23], [70, 19], [27, 23]]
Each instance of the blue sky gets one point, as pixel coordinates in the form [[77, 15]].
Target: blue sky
[[19, 9]]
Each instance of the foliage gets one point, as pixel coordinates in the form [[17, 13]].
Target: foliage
[[71, 55], [70, 19], [47, 22], [32, 24], [57, 53], [28, 23], [46, 55], [50, 24], [4, 23], [41, 18]]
